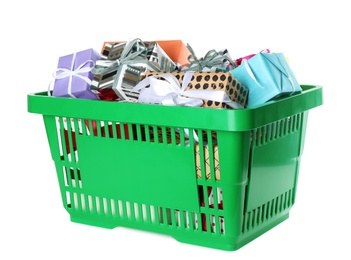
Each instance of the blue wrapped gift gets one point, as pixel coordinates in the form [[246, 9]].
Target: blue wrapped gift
[[267, 76]]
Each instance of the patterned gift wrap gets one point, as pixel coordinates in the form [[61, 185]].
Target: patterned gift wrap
[[153, 53], [221, 81], [207, 161], [154, 58]]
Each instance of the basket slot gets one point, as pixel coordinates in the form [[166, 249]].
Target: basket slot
[[194, 221], [83, 201], [219, 199], [140, 210], [94, 206], [128, 209], [145, 212], [104, 129], [90, 203], [201, 195], [153, 215], [76, 177], [204, 223], [120, 208], [166, 135], [278, 129], [66, 180], [265, 212], [144, 133], [76, 200], [216, 224], [189, 222], [68, 199], [105, 208], [133, 209], [207, 156], [170, 217], [221, 225], [67, 138], [160, 215], [113, 207], [164, 214], [136, 132], [210, 197], [98, 204], [178, 219], [71, 177]]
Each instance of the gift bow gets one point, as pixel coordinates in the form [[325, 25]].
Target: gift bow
[[212, 59], [128, 56], [171, 92], [61, 73]]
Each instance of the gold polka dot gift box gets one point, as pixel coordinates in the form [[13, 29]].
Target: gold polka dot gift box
[[192, 88]]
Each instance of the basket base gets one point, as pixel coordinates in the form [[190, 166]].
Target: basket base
[[227, 243], [103, 223], [230, 243]]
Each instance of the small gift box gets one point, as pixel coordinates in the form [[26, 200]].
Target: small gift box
[[189, 88], [123, 64], [215, 61], [73, 75], [267, 76]]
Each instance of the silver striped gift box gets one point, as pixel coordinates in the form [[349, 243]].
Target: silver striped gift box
[[154, 59]]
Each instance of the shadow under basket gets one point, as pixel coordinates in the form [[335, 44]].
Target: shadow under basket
[[216, 178]]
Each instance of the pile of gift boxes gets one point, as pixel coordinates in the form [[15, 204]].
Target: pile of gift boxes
[[169, 73]]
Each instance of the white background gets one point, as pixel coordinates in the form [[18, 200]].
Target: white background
[[313, 34]]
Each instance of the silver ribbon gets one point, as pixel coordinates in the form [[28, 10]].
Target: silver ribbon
[[212, 61], [134, 53]]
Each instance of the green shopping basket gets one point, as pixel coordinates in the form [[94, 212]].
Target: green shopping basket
[[217, 178]]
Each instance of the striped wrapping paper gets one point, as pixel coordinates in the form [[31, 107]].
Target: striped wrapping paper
[[153, 58]]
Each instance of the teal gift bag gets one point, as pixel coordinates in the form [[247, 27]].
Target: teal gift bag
[[267, 76]]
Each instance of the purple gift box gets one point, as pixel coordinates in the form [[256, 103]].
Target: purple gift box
[[73, 75]]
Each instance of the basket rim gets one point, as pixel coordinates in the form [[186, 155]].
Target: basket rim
[[177, 116]]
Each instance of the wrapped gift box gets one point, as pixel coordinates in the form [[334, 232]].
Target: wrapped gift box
[[267, 76], [206, 84], [73, 75], [131, 69]]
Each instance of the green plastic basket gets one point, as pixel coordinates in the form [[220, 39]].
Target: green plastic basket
[[217, 178]]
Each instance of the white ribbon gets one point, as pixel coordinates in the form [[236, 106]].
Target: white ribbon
[[170, 92], [61, 73]]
